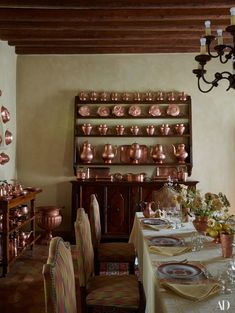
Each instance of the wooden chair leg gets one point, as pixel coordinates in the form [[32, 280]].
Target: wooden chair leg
[[132, 268]]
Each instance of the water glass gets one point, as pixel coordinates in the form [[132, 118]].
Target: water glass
[[197, 242], [231, 271], [224, 280]]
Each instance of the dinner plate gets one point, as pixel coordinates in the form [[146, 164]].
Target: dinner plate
[[166, 241], [84, 110], [103, 111], [155, 221], [179, 270], [173, 110]]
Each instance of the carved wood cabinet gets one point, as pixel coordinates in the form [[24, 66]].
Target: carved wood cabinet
[[119, 201]]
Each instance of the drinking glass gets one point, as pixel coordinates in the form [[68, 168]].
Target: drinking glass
[[223, 279], [231, 271], [197, 242]]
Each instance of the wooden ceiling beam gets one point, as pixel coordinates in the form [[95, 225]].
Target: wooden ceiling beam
[[74, 4], [102, 50], [33, 15]]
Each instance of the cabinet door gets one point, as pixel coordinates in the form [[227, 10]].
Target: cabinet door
[[117, 219]]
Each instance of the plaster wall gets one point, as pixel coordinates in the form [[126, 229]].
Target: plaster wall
[[8, 100], [47, 85]]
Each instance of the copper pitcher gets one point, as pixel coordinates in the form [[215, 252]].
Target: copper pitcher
[[103, 129], [157, 154], [179, 129], [147, 208], [109, 153], [180, 152], [87, 128], [164, 129], [135, 153], [87, 152]]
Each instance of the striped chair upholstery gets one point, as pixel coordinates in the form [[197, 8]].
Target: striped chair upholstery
[[59, 281], [116, 252], [113, 293]]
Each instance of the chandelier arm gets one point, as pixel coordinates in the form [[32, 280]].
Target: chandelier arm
[[199, 87], [225, 60], [209, 52], [206, 81]]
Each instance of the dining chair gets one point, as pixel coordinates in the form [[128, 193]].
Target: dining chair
[[108, 252], [106, 294], [59, 279]]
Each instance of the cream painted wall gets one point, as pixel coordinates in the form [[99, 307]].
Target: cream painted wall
[[47, 85], [8, 100]]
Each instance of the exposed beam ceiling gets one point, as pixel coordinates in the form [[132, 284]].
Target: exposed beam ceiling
[[131, 26]]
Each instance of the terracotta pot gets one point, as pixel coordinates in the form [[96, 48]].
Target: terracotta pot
[[200, 223], [227, 245]]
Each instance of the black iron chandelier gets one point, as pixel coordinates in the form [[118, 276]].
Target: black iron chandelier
[[222, 51]]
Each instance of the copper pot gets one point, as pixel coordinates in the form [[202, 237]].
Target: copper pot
[[130, 177]]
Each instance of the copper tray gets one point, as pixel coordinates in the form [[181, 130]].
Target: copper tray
[[125, 154]]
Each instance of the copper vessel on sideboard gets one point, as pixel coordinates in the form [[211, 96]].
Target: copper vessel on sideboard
[[135, 153]]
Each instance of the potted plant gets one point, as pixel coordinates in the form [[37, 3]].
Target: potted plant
[[201, 206]]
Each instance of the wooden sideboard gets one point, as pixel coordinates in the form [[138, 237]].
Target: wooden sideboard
[[119, 201]]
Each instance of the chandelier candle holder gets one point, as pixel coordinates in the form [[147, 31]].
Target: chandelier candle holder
[[224, 52]]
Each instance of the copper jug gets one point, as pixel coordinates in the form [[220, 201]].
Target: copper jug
[[87, 152], [87, 128], [180, 152], [157, 154], [165, 128], [135, 153], [150, 129], [103, 129], [179, 129], [109, 153], [147, 208]]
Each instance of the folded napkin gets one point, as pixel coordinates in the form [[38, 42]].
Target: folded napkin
[[169, 251], [156, 227], [195, 292]]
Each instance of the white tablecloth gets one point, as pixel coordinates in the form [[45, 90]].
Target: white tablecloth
[[159, 300]]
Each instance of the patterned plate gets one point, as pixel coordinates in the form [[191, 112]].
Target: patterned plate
[[179, 270], [84, 110], [173, 110], [134, 110], [155, 221], [166, 241], [103, 111], [154, 110]]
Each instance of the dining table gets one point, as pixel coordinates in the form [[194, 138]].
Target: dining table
[[208, 258]]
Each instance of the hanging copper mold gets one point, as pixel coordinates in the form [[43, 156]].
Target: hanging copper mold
[[4, 158], [8, 137], [5, 114]]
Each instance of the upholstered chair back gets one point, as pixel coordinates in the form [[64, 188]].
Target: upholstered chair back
[[84, 248], [165, 197], [59, 281], [95, 221]]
